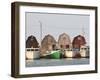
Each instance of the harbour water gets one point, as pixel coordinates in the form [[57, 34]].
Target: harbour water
[[56, 62]]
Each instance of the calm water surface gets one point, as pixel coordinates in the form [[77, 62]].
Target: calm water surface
[[56, 62]]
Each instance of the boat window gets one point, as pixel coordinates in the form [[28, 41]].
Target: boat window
[[67, 46], [53, 46], [28, 49], [61, 46], [32, 49]]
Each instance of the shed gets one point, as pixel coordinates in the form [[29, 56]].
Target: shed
[[48, 43], [78, 41], [64, 41], [32, 42]]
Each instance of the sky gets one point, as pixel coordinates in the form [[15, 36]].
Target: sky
[[56, 24]]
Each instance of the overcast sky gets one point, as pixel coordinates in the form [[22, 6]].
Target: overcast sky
[[56, 24]]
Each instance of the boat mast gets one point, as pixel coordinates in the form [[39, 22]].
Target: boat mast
[[40, 32], [83, 32]]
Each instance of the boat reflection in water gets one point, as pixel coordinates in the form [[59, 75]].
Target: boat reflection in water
[[57, 62]]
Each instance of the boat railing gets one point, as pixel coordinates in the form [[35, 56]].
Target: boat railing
[[32, 49], [75, 49]]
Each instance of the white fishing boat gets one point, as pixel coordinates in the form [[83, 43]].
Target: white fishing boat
[[32, 53], [68, 53], [83, 51], [72, 53]]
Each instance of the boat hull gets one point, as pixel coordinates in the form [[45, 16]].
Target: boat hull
[[32, 53], [55, 55]]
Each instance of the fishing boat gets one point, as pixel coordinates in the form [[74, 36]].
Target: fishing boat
[[32, 53], [54, 54], [84, 51], [76, 53], [68, 53], [72, 53]]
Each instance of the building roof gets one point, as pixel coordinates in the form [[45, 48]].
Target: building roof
[[79, 40], [48, 39], [64, 39], [32, 42]]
